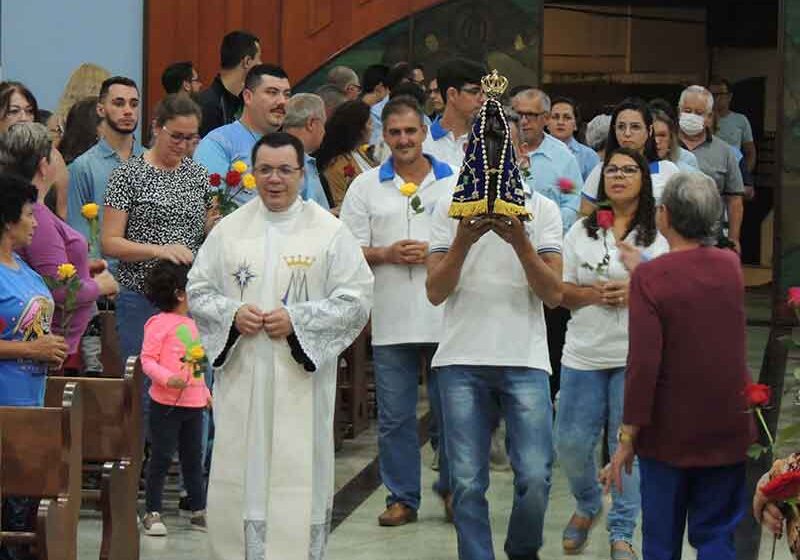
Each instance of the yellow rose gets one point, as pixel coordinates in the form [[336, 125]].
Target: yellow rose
[[90, 210], [197, 353], [248, 181], [66, 271], [408, 189], [239, 166]]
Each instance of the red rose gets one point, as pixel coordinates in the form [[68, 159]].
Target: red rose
[[566, 185], [233, 178], [215, 180], [794, 298], [605, 219], [783, 487], [349, 171], [757, 394]]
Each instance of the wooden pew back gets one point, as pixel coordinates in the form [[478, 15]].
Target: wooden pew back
[[41, 449]]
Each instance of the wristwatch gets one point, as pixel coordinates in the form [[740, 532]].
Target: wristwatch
[[623, 436]]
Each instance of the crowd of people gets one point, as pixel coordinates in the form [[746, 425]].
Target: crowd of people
[[618, 303]]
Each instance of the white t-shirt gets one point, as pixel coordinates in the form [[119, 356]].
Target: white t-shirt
[[379, 215], [597, 335], [666, 169], [493, 318], [444, 146]]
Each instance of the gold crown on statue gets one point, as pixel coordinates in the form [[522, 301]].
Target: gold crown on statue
[[494, 85], [299, 261]]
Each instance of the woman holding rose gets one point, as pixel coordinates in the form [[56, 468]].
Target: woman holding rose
[[596, 348], [686, 416], [157, 207], [25, 150]]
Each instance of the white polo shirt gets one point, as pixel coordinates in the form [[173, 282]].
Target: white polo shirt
[[378, 215], [597, 335], [444, 146], [493, 318], [660, 172]]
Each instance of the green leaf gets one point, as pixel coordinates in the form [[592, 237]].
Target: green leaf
[[755, 451], [184, 335], [797, 373]]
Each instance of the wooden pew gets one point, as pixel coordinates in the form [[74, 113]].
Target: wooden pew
[[112, 435], [41, 450], [351, 415]]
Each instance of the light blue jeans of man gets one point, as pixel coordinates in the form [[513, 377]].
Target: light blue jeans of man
[[397, 368], [469, 402], [588, 400]]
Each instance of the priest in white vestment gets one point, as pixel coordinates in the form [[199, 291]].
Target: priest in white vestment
[[279, 289]]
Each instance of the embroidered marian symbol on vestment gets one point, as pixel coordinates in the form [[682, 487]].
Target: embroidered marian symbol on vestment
[[297, 290], [243, 275]]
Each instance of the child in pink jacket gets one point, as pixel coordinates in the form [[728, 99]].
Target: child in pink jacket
[[172, 358]]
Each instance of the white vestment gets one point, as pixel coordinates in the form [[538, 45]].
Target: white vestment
[[272, 475]]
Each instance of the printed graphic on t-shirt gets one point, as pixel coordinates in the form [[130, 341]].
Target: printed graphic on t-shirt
[[35, 320]]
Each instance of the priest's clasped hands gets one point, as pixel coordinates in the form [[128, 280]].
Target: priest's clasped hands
[[250, 320]]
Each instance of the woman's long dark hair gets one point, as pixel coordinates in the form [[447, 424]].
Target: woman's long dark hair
[[343, 131], [644, 221], [80, 129], [638, 105]]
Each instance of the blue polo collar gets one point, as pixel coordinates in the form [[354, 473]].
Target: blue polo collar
[[106, 151], [440, 169], [437, 130]]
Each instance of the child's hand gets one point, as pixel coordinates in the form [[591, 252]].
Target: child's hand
[[604, 478], [176, 382], [209, 402]]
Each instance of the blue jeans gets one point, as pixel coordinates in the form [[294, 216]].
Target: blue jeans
[[587, 401], [469, 395], [397, 368], [132, 311]]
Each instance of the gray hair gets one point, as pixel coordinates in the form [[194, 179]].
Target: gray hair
[[22, 147], [342, 76], [301, 107], [699, 90], [597, 131], [694, 206], [534, 93], [331, 95]]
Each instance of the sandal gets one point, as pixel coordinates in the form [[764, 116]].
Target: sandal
[[574, 538], [623, 553]]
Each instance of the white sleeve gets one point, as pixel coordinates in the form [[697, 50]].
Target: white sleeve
[[569, 254], [592, 183], [547, 227], [443, 227], [355, 212]]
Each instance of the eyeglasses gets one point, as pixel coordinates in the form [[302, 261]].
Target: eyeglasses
[[633, 127], [626, 170], [177, 137], [356, 87], [530, 116], [283, 171], [472, 90]]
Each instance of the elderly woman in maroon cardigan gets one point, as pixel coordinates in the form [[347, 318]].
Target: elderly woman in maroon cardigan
[[685, 414]]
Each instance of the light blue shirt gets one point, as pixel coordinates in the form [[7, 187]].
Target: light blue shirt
[[687, 161], [88, 178], [377, 123], [225, 145], [587, 157], [312, 186], [549, 163]]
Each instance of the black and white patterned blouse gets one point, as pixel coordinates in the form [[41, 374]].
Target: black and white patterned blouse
[[163, 207]]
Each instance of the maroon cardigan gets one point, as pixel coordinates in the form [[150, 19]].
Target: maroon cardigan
[[686, 362]]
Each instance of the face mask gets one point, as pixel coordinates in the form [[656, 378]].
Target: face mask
[[692, 124]]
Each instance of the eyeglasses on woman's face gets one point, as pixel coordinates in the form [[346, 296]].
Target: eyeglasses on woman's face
[[177, 137], [625, 170]]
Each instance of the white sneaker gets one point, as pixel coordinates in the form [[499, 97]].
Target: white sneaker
[[153, 526]]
